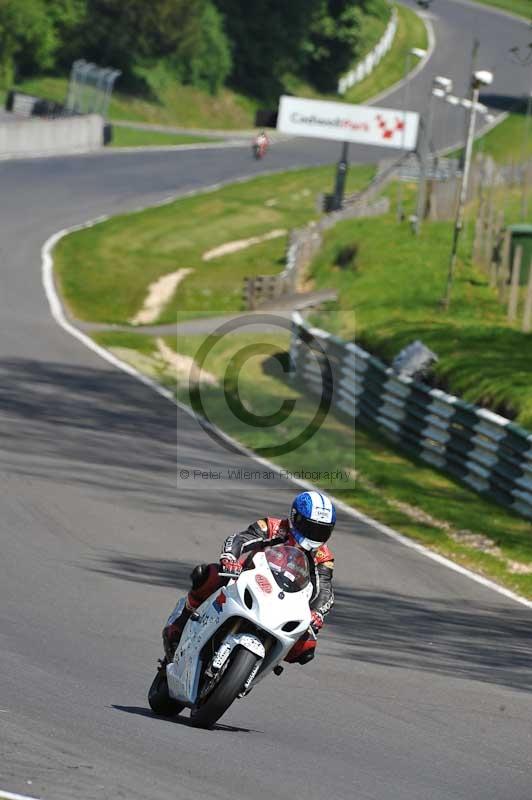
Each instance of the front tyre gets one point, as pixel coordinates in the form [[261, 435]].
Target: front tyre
[[159, 697], [231, 684]]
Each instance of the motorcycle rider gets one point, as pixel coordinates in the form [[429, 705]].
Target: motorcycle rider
[[312, 520], [262, 141]]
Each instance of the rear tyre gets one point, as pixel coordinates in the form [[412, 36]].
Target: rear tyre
[[231, 684], [159, 697]]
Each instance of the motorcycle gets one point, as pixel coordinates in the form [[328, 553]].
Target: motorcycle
[[239, 635], [260, 145]]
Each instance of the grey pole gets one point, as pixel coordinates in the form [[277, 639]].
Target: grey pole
[[83, 85], [423, 165], [341, 175], [478, 79], [104, 76], [110, 84], [474, 53], [400, 209], [72, 85], [418, 53], [93, 80], [526, 159]]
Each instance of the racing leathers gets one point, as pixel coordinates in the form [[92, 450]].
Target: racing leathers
[[206, 578]]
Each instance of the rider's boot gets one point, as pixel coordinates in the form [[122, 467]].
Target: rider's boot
[[205, 579], [174, 628]]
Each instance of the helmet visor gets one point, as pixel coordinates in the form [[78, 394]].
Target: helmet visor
[[318, 532]]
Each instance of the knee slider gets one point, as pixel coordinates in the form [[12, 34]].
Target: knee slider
[[199, 575]]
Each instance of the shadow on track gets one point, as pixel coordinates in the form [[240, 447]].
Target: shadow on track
[[152, 571], [103, 429], [472, 641], [484, 642], [185, 721]]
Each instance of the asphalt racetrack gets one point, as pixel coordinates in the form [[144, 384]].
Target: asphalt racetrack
[[422, 685]]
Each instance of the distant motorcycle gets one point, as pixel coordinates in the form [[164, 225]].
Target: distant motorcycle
[[236, 637], [260, 146]]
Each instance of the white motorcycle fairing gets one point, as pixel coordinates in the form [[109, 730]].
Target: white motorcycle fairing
[[253, 602]]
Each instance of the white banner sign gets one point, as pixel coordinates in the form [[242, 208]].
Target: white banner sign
[[385, 127]]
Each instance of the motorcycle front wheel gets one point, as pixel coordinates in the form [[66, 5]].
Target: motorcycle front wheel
[[227, 690], [159, 697]]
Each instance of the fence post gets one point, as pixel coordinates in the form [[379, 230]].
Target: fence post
[[504, 266], [489, 230], [249, 293], [514, 288], [479, 224], [527, 316]]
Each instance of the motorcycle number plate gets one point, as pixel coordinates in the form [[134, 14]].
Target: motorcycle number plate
[[221, 656]]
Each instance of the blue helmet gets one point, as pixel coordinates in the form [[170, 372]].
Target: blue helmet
[[313, 518]]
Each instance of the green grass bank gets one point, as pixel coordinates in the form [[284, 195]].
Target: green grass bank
[[395, 292], [105, 271], [522, 8], [134, 137], [510, 140]]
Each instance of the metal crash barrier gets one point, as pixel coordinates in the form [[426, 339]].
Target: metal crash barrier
[[487, 452]]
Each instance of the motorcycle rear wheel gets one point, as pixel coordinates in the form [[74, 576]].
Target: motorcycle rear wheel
[[231, 684], [159, 697]]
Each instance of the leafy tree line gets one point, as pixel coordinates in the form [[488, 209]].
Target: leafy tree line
[[251, 44]]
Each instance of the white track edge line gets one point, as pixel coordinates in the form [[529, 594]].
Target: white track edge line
[[12, 796], [58, 314]]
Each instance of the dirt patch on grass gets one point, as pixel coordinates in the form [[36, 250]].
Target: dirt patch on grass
[[241, 244], [159, 294], [186, 370]]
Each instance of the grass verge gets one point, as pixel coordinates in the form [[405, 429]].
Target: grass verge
[[411, 32], [177, 105], [104, 271], [507, 141], [132, 137], [522, 8], [395, 292], [361, 469]]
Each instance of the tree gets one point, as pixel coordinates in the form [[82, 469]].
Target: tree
[[268, 38], [211, 63], [336, 39], [187, 38], [28, 38]]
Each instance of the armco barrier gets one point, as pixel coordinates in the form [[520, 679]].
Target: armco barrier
[[51, 136], [484, 450], [26, 105]]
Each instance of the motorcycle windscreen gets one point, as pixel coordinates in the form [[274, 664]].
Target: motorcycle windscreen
[[289, 567]]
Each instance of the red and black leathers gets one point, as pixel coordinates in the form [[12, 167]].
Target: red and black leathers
[[206, 579], [260, 533]]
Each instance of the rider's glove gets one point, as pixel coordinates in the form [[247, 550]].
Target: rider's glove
[[316, 622], [229, 566]]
